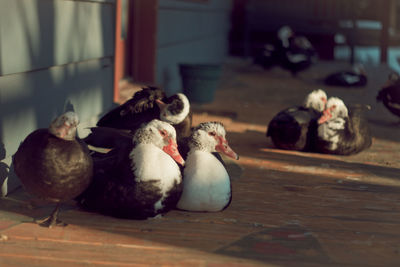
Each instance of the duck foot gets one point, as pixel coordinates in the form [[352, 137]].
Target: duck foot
[[52, 220]]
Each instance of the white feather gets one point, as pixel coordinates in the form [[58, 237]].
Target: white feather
[[177, 118], [296, 58], [350, 79], [151, 163], [206, 183], [328, 131], [315, 100]]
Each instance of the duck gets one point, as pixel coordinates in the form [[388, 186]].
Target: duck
[[137, 181], [140, 108], [341, 131], [145, 105], [206, 183], [295, 128], [296, 52], [266, 56], [357, 77], [54, 165], [389, 95]]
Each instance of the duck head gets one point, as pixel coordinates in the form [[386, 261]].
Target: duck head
[[210, 137], [316, 100], [284, 33], [335, 109], [162, 135], [175, 109], [65, 125]]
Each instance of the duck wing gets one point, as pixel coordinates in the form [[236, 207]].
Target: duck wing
[[137, 110], [107, 137], [356, 135]]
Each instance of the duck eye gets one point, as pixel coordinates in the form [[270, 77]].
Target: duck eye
[[212, 133], [163, 133]]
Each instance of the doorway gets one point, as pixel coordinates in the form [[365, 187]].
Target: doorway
[[135, 45]]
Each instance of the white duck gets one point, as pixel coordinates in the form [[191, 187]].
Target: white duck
[[341, 132], [206, 183]]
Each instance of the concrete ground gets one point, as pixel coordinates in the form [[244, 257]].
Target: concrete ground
[[289, 208]]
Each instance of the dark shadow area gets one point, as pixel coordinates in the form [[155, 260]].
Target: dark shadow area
[[283, 244], [4, 169]]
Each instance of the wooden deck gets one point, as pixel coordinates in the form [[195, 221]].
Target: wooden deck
[[288, 208]]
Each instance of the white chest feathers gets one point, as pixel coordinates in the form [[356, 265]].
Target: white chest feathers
[[153, 164], [329, 131], [206, 183]]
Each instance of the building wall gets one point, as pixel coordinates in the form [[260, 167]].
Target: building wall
[[55, 55], [189, 32]]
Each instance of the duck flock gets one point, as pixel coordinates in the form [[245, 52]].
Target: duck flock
[[145, 158], [152, 161], [321, 124]]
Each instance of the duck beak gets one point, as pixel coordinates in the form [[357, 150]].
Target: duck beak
[[224, 148], [172, 150], [326, 115], [160, 104]]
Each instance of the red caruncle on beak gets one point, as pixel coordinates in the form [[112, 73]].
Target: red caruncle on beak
[[172, 150], [326, 115], [224, 148]]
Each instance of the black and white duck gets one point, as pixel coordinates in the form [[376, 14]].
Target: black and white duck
[[139, 180], [297, 53], [342, 132], [356, 77], [295, 128], [145, 105], [390, 94], [53, 165], [206, 183]]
